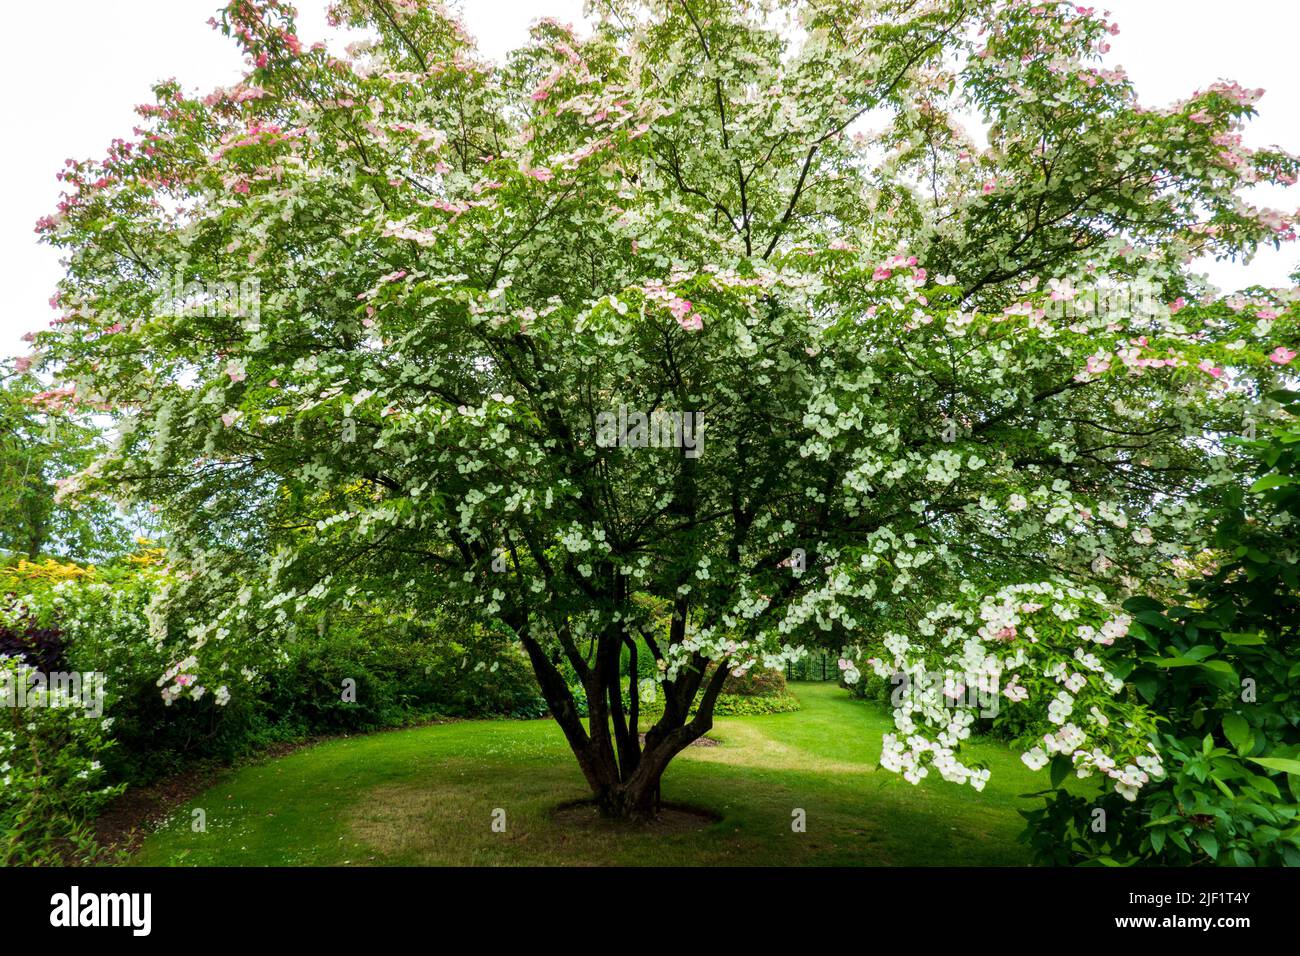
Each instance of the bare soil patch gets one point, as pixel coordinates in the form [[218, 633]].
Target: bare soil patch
[[584, 816], [701, 742]]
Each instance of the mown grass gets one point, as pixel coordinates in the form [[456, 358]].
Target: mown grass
[[427, 797]]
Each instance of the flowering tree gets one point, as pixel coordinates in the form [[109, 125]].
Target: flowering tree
[[718, 308]]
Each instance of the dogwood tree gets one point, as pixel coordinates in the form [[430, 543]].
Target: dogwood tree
[[716, 306]]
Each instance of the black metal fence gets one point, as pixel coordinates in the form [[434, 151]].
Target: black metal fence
[[815, 665]]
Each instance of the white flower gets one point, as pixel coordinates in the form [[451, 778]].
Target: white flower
[[648, 690], [1035, 759], [1060, 708]]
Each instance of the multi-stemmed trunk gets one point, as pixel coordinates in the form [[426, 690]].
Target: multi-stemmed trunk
[[623, 772]]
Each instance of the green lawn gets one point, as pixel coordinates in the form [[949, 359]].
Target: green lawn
[[427, 796]]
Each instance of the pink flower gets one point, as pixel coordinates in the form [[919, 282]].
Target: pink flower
[[680, 308], [1209, 368], [22, 364], [542, 175], [1281, 355], [989, 186], [1177, 305], [682, 311], [881, 274]]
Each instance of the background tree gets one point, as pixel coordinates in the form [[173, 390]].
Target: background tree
[[463, 267], [38, 452]]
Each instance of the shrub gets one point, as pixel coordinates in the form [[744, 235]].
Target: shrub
[[51, 773], [1219, 665], [744, 705], [471, 671], [358, 671], [43, 648], [756, 682], [730, 705]]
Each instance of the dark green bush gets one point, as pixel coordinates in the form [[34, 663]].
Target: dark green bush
[[1219, 665], [755, 683]]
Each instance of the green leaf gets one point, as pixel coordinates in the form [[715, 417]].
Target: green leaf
[[1219, 667], [1208, 843], [1272, 481], [1153, 619], [1166, 819], [1237, 731], [1148, 686], [1265, 785], [1136, 605], [1060, 769], [1242, 639], [1278, 763]]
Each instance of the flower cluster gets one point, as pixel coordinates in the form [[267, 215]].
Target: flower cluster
[[1038, 644]]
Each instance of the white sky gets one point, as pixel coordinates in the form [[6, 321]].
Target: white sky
[[75, 69]]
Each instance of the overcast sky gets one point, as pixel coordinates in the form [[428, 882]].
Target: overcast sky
[[73, 70]]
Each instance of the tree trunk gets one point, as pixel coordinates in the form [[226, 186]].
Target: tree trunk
[[625, 778], [623, 775], [637, 803]]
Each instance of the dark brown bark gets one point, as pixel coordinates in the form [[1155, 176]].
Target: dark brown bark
[[624, 776]]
